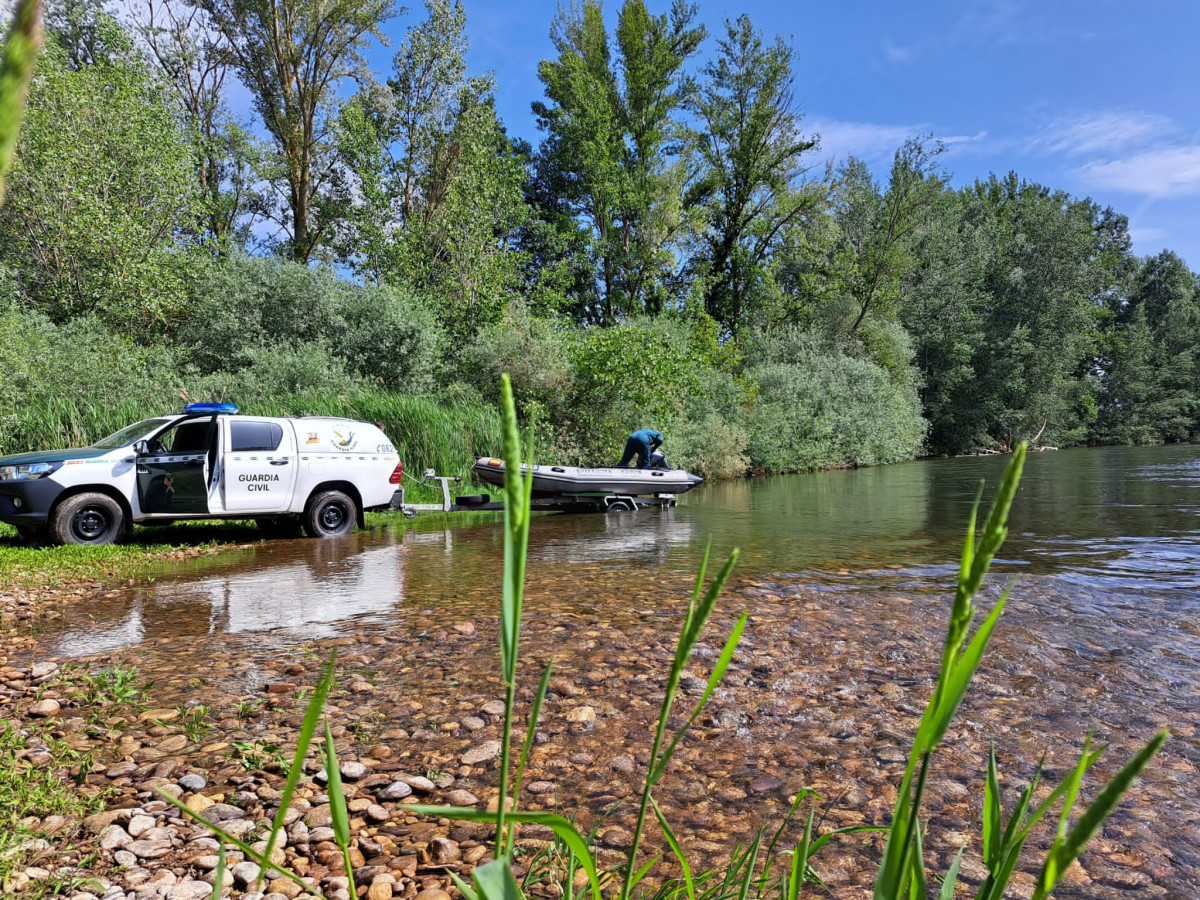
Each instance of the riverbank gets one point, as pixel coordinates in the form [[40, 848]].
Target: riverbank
[[817, 703]]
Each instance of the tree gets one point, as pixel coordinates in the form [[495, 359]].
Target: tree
[[292, 55], [196, 60], [752, 148], [101, 185], [873, 255], [438, 185], [613, 141]]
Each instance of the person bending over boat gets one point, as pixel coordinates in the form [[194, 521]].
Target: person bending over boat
[[640, 444]]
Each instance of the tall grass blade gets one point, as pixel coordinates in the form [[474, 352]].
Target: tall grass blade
[[495, 881], [465, 889], [337, 805], [751, 864], [1067, 848], [992, 822], [561, 827], [688, 883], [714, 679], [535, 713], [951, 879], [219, 878], [21, 48], [312, 716], [516, 543]]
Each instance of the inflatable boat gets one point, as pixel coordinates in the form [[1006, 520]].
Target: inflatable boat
[[554, 480]]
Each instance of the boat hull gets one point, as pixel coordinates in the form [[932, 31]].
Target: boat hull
[[554, 480]]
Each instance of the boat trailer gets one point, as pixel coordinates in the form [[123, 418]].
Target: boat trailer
[[565, 502]]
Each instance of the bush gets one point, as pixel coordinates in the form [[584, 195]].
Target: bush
[[245, 306], [819, 409]]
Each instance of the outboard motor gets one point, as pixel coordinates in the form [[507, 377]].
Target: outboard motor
[[658, 460]]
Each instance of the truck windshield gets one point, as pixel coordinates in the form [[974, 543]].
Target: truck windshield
[[131, 433]]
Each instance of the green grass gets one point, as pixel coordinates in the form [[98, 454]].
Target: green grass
[[28, 789], [40, 568]]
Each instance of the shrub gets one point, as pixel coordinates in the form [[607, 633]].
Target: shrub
[[818, 408]]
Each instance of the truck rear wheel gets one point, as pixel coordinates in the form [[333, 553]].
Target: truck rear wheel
[[91, 518], [329, 514]]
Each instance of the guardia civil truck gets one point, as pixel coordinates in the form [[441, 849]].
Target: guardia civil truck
[[315, 474]]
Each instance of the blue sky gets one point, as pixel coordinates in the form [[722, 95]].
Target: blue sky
[[1096, 98]]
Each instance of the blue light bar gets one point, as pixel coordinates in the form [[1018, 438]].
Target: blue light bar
[[210, 408]]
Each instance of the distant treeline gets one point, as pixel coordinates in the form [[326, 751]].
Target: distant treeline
[[671, 254]]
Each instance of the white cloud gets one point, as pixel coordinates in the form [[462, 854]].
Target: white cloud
[[873, 141], [1162, 173], [895, 53], [1103, 132], [1148, 235]]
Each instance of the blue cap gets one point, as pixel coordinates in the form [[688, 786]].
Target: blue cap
[[210, 408]]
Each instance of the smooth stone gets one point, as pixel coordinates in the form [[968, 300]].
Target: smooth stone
[[377, 813], [139, 825], [42, 670], [419, 783], [190, 890], [319, 817], [219, 812], [581, 715], [127, 859], [494, 708], [246, 873], [462, 798], [397, 790], [352, 771], [192, 783], [379, 890], [472, 723], [443, 850], [44, 709], [319, 834], [149, 849], [114, 837], [481, 753], [433, 894]]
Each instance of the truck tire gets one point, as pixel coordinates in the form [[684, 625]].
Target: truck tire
[[282, 527], [620, 506], [91, 518], [329, 514]]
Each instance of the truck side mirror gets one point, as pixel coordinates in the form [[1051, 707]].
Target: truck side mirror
[[141, 448]]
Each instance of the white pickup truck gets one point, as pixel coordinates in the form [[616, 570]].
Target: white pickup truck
[[207, 462]]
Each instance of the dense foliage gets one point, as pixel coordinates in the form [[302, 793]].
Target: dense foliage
[[667, 255]]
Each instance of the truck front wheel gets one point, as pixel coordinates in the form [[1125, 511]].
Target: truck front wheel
[[329, 514], [91, 518]]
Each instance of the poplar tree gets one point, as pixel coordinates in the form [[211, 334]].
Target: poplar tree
[[292, 55]]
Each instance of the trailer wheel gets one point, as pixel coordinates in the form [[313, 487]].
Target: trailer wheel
[[91, 518], [329, 514], [620, 506]]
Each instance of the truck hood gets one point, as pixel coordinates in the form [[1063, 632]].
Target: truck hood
[[42, 456]]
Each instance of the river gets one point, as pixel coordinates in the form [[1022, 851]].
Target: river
[[847, 578]]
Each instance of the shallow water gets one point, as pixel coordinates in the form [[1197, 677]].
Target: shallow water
[[847, 578]]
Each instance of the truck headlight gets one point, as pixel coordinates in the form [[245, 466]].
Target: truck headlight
[[28, 471]]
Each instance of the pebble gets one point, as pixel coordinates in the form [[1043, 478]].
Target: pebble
[[190, 890], [114, 837], [397, 790], [44, 709], [352, 771], [461, 797], [432, 894], [246, 873], [139, 825], [481, 753], [494, 708], [192, 783]]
